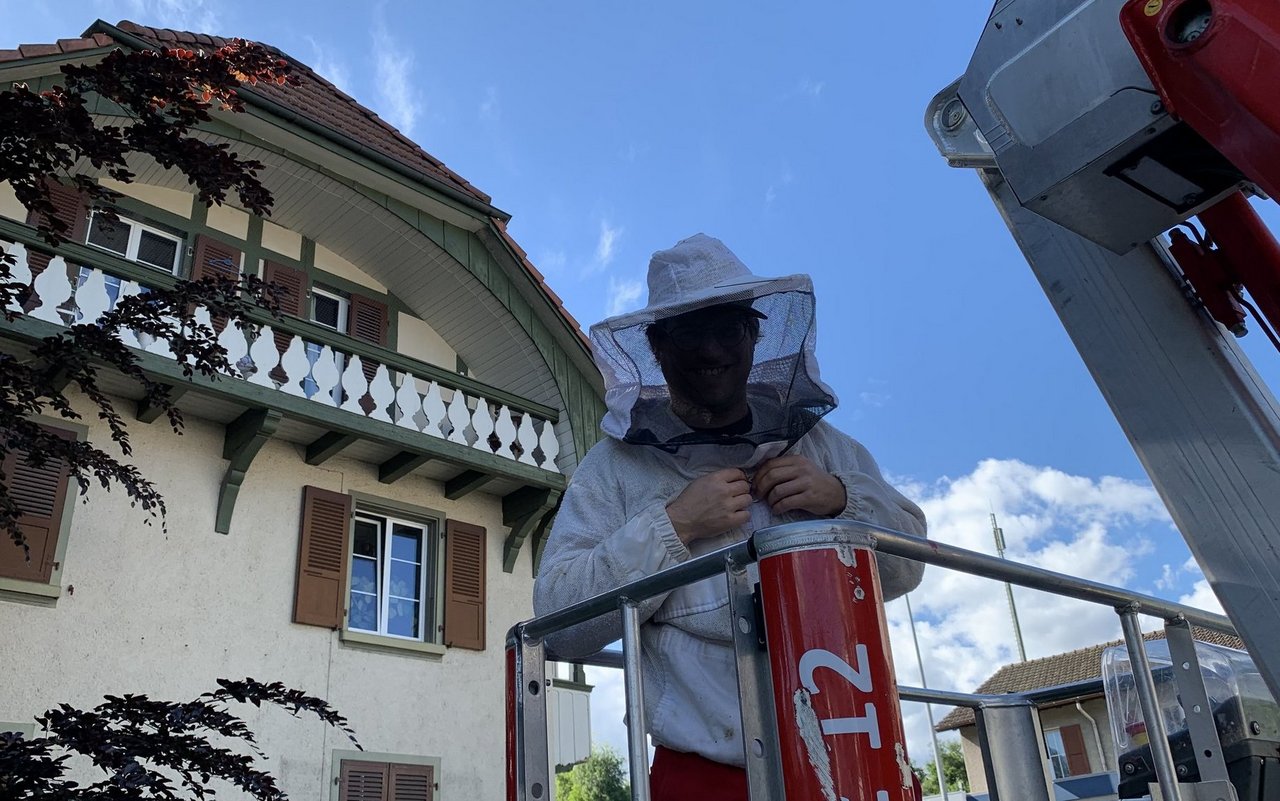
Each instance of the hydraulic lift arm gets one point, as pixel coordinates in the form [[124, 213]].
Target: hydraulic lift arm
[[1097, 126]]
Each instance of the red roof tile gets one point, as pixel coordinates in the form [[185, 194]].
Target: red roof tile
[[321, 102], [33, 50]]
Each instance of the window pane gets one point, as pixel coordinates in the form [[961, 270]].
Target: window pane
[[406, 543], [112, 236], [364, 575], [157, 251], [405, 580], [364, 612], [324, 310], [403, 618], [365, 542]]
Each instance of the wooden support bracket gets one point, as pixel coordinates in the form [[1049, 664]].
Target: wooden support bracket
[[244, 437]]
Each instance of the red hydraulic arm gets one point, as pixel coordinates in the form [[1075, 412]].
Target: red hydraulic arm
[[1216, 64]]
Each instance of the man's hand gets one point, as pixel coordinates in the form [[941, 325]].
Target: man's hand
[[788, 483], [711, 505]]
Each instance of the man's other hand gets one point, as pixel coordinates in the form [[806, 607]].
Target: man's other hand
[[711, 505], [788, 483]]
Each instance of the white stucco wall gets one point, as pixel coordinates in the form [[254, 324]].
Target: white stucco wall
[[416, 339], [228, 220], [9, 205], [166, 613], [171, 200], [334, 264]]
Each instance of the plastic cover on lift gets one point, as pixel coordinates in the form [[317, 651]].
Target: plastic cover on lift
[[1247, 719]]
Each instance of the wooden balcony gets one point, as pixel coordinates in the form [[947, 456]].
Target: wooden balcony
[[305, 383]]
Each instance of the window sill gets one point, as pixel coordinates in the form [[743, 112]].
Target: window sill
[[29, 592], [376, 642]]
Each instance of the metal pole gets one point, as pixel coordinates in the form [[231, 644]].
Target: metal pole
[[528, 764], [1014, 752], [998, 533], [1144, 683], [928, 708], [637, 726]]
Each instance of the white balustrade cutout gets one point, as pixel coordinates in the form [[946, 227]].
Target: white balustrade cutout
[[307, 370]]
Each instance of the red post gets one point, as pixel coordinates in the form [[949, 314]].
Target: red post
[[513, 740], [840, 728]]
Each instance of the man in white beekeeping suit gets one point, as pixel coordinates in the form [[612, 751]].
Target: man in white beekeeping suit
[[714, 431]]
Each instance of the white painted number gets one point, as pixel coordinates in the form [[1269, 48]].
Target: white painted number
[[859, 677]]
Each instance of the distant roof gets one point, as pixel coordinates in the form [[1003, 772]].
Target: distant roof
[[1050, 671], [319, 101]]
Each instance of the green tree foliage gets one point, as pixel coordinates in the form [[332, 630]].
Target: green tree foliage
[[600, 778], [952, 770]]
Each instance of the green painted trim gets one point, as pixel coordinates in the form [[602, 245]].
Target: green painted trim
[[376, 642], [110, 263], [400, 465], [376, 503], [29, 592], [318, 414], [338, 756], [327, 446], [465, 483], [523, 510], [149, 414], [27, 730], [244, 437]]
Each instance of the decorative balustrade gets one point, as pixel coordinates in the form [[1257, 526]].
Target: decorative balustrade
[[330, 373]]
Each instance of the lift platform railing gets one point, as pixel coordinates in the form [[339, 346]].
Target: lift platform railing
[[820, 710]]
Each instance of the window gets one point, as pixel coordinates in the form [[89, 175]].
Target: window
[[387, 576], [1066, 751], [393, 572], [362, 776], [329, 309], [136, 241], [1057, 753]]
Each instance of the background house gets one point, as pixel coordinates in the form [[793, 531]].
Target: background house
[[1080, 750], [361, 514]]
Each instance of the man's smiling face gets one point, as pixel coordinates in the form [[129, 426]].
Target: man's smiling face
[[706, 356]]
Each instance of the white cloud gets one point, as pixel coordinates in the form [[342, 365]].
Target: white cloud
[[876, 399], [490, 109], [1096, 528], [770, 195], [551, 261], [811, 87], [623, 295], [393, 64], [608, 709], [606, 244]]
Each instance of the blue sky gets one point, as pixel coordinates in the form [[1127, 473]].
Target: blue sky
[[795, 134]]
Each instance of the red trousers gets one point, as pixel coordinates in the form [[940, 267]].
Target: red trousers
[[677, 776]]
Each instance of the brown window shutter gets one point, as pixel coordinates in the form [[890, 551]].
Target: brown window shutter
[[367, 320], [72, 207], [322, 558], [1077, 756], [215, 258], [464, 585], [293, 287], [363, 781], [412, 783], [40, 493]]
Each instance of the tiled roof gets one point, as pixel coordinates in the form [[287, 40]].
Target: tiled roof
[[60, 47], [1050, 671], [321, 102]]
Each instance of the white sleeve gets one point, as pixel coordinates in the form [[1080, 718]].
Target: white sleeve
[[870, 499], [596, 545]]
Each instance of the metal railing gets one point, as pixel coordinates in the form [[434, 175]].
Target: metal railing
[[298, 358], [1008, 725]]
